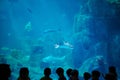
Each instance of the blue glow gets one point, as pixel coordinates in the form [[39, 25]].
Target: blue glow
[[78, 34]]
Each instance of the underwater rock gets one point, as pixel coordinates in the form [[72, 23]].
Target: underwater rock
[[92, 63], [80, 22], [114, 50]]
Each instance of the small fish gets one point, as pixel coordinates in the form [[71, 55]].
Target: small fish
[[66, 45], [29, 10], [63, 47], [51, 30], [28, 27], [52, 59], [5, 48], [38, 49]]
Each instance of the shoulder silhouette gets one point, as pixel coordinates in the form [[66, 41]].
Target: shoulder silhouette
[[47, 72], [60, 73], [95, 75], [112, 70], [24, 74], [5, 71], [68, 72], [74, 75], [86, 76]]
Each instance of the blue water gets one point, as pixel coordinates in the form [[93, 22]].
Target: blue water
[[79, 34]]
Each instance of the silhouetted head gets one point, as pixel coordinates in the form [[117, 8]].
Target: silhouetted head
[[95, 75], [74, 74], [60, 71], [87, 75], [112, 69], [5, 71], [24, 72], [47, 71], [110, 76], [68, 72]]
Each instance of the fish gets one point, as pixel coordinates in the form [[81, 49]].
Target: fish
[[29, 10], [65, 45], [38, 49], [52, 59], [28, 27], [51, 30], [5, 48]]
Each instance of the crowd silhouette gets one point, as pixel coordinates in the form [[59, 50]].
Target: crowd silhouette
[[72, 74]]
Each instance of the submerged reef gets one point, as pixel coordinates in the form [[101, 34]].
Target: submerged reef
[[97, 24]]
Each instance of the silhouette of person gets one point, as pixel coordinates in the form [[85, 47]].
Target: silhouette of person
[[95, 75], [68, 72], [110, 76], [74, 75], [86, 76], [47, 72], [112, 70], [23, 74], [60, 73], [5, 71]]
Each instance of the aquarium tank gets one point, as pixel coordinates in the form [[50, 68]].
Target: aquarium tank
[[77, 34]]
